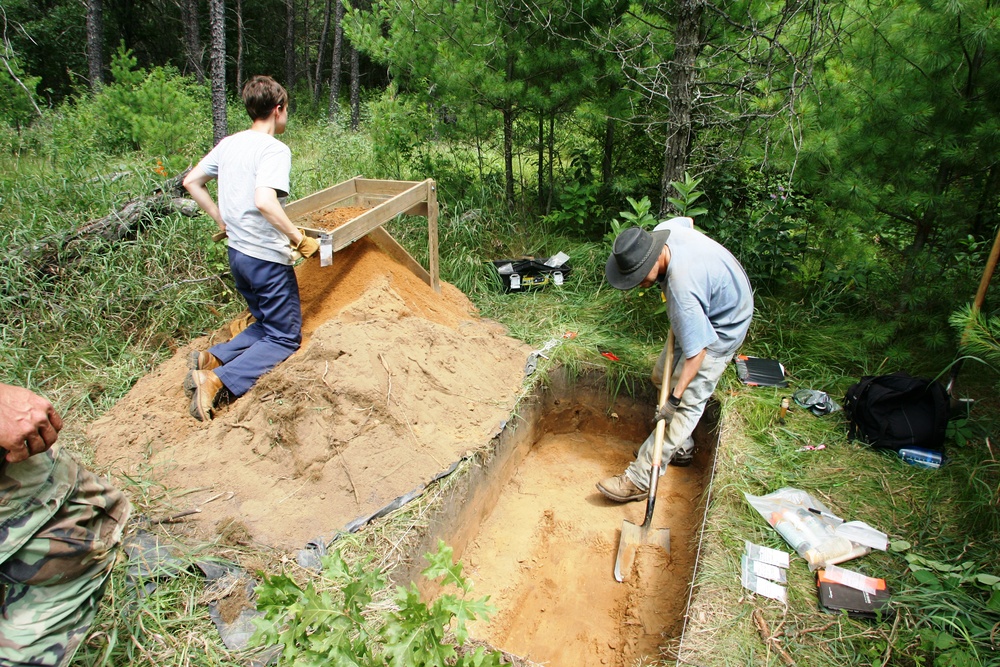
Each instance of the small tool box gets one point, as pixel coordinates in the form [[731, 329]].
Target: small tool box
[[518, 275]]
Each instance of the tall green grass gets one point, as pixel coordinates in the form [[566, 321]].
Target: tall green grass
[[82, 324]]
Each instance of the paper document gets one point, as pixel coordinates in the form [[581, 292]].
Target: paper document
[[860, 532]]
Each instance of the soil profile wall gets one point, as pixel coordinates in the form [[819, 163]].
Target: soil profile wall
[[536, 536]]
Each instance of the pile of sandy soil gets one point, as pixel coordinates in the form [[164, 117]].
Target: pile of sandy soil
[[394, 382]]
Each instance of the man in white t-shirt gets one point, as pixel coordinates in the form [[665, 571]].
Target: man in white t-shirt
[[253, 170], [710, 304]]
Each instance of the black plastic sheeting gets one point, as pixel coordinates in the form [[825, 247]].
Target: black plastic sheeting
[[310, 556]]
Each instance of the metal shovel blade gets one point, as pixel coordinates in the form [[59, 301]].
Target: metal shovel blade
[[632, 537]]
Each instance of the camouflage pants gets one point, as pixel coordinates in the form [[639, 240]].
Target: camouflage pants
[[54, 576]]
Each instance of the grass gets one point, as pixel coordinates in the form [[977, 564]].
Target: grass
[[84, 328]]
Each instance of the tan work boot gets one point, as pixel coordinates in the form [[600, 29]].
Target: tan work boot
[[199, 361], [203, 361], [207, 386], [621, 489]]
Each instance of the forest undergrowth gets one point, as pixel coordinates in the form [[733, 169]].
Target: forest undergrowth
[[84, 318]]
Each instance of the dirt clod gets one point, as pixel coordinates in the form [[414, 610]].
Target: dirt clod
[[234, 533]]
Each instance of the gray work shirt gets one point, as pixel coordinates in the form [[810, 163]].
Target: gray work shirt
[[710, 302]]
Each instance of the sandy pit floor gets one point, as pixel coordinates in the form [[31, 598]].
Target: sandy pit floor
[[546, 555], [394, 382]]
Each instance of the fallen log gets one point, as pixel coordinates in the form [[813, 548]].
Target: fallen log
[[128, 222]]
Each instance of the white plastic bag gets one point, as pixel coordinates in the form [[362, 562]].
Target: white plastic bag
[[807, 525]]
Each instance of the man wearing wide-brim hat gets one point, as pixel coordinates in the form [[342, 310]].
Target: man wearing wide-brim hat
[[709, 303]]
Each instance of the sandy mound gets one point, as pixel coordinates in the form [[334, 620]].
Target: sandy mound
[[393, 383]]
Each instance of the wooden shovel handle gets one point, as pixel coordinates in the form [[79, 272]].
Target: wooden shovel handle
[[661, 429]]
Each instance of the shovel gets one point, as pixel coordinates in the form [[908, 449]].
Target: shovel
[[632, 535]]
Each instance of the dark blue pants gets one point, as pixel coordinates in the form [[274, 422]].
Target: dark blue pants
[[272, 294]]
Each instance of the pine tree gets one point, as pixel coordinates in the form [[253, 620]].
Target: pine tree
[[905, 127]]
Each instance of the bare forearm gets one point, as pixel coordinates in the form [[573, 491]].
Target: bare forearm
[[195, 184], [207, 204], [688, 371], [267, 203]]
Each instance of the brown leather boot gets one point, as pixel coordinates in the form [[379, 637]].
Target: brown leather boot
[[199, 361], [202, 361], [207, 386], [621, 489]]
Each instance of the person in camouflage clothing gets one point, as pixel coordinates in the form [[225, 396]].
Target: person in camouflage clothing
[[60, 529]]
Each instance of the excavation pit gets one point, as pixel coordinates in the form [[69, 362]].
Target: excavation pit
[[534, 533]]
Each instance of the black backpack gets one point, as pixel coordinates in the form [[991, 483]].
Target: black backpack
[[897, 411]]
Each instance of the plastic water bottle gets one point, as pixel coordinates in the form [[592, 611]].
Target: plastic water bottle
[[922, 458], [796, 535]]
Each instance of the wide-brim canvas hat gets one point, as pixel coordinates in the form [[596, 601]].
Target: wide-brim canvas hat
[[633, 255]]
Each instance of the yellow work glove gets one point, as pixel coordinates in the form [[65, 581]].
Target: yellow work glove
[[307, 247]]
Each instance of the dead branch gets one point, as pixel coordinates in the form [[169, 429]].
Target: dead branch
[[174, 518], [129, 220], [770, 639], [6, 56]]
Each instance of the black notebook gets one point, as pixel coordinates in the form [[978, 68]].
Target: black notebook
[[835, 597]]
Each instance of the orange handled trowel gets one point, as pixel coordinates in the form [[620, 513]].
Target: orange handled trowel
[[632, 535]]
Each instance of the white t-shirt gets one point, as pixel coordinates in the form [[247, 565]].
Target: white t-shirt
[[243, 162]]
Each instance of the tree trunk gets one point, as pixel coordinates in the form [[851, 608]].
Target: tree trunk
[[355, 89], [95, 43], [687, 41], [192, 39], [924, 226], [552, 160], [305, 41], [541, 160], [322, 45], [987, 201], [609, 149], [508, 137], [239, 46], [217, 21], [508, 154], [335, 65], [289, 44]]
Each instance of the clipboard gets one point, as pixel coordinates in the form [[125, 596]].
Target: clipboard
[[757, 372]]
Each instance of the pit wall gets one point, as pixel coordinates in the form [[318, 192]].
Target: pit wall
[[563, 403]]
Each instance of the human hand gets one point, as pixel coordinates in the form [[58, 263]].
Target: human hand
[[29, 424], [308, 246], [667, 412]]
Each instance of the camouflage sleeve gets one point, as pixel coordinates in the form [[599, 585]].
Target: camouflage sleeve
[[58, 543], [30, 493]]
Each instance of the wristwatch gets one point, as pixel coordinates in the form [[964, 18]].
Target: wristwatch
[[674, 401]]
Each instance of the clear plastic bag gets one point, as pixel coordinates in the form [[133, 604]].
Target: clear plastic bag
[[807, 525]]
